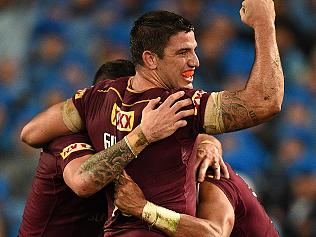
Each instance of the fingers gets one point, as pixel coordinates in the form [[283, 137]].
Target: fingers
[[172, 99], [151, 104], [180, 104], [217, 169], [203, 168], [179, 124], [126, 175], [184, 113], [224, 169]]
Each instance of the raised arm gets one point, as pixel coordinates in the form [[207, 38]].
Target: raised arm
[[263, 94], [130, 200]]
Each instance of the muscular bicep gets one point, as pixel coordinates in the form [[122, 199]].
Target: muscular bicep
[[215, 207], [231, 111], [240, 111], [50, 124]]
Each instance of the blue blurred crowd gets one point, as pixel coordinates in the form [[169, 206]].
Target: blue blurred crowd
[[49, 49]]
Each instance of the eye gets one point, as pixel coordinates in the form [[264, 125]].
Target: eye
[[183, 52]]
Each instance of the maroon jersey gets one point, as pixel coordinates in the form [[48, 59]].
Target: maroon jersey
[[164, 170], [52, 208], [250, 217]]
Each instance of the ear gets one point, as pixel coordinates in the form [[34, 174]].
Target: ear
[[150, 59]]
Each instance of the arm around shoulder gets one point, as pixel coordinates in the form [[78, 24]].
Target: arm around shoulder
[[50, 124]]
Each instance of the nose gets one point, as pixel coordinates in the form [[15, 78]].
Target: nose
[[194, 61]]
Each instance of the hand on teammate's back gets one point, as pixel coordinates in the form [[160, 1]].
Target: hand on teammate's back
[[163, 121], [209, 154]]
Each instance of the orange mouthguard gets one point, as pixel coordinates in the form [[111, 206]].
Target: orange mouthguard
[[189, 73]]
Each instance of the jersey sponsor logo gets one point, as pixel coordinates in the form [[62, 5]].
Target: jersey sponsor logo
[[196, 99], [123, 120], [80, 93], [73, 148]]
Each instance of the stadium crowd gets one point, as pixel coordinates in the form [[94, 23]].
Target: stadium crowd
[[49, 49]]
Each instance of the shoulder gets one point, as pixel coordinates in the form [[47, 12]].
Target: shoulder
[[118, 83]]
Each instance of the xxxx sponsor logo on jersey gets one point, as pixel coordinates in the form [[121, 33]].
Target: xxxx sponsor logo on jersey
[[73, 148], [196, 99], [123, 120], [80, 93]]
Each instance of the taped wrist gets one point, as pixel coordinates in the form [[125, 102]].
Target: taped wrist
[[136, 141], [160, 217]]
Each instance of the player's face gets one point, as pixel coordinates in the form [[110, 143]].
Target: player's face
[[176, 68]]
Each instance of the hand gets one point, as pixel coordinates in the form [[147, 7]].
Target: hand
[[209, 154], [129, 198], [160, 123], [257, 13]]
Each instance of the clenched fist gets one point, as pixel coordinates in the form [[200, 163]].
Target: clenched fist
[[256, 13]]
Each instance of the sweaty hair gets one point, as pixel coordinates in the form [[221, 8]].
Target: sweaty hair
[[114, 69], [152, 32]]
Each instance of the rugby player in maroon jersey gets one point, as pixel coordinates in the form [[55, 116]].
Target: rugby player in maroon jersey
[[227, 207], [52, 207], [163, 49]]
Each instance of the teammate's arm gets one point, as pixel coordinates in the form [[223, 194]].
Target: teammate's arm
[[63, 118], [215, 207], [87, 175], [263, 94], [130, 200], [45, 126]]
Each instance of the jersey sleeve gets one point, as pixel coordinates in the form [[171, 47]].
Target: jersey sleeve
[[199, 99], [70, 147], [87, 100]]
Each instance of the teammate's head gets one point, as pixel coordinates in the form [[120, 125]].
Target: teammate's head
[[114, 69], [152, 32]]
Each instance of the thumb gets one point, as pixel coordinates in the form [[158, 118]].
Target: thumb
[[151, 104], [125, 175]]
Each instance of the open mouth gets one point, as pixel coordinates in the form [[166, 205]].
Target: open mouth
[[188, 74]]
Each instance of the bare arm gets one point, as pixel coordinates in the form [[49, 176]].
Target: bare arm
[[130, 200], [263, 95], [45, 126], [63, 118], [88, 174], [215, 207]]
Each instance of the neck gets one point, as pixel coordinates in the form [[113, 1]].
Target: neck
[[146, 80]]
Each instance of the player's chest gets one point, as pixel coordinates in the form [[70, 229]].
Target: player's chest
[[112, 122]]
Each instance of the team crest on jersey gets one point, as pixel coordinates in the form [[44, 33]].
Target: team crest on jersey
[[123, 120], [73, 148], [80, 93], [196, 99]]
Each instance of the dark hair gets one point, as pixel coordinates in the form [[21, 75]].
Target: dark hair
[[114, 69], [152, 32]]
